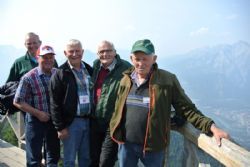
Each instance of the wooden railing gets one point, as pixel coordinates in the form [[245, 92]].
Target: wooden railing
[[17, 124], [229, 153]]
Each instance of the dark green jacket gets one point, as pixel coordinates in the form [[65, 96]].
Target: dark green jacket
[[20, 67], [105, 107], [164, 91]]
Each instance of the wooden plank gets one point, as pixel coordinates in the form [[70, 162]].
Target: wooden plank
[[14, 126], [229, 154], [11, 155]]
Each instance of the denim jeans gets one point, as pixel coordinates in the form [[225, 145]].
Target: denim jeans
[[130, 153], [36, 134], [103, 150], [77, 144]]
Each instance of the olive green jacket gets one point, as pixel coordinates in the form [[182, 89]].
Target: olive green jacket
[[164, 91]]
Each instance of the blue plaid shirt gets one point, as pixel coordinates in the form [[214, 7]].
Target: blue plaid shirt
[[83, 80], [33, 89]]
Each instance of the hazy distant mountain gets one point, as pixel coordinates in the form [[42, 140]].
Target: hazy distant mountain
[[214, 73], [8, 54]]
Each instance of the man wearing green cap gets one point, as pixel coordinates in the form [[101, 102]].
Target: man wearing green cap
[[141, 121]]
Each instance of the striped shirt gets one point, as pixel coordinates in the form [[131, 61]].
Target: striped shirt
[[137, 108], [33, 89], [82, 80]]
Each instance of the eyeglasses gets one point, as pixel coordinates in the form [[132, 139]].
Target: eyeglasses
[[107, 51]]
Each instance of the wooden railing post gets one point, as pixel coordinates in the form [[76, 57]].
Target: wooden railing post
[[17, 126], [20, 122]]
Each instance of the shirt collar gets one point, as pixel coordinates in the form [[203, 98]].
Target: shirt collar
[[82, 66], [135, 77], [33, 58], [40, 72], [112, 65]]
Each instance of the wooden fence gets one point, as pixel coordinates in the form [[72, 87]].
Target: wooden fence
[[229, 154]]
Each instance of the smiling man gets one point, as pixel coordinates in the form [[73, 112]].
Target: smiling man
[[32, 97], [70, 105], [25, 63], [141, 121]]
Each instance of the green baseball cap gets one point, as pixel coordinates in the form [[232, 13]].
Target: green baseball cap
[[144, 45]]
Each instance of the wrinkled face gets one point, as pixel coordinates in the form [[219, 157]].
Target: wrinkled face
[[32, 43], [106, 53], [46, 62], [74, 53], [142, 63]]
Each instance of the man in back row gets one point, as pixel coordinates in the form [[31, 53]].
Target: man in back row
[[25, 63], [107, 73], [141, 121]]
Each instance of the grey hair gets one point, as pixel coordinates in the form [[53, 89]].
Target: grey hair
[[108, 42], [73, 42], [30, 34]]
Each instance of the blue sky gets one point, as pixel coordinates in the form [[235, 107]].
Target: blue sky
[[174, 26]]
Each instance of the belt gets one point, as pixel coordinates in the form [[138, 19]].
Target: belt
[[82, 116]]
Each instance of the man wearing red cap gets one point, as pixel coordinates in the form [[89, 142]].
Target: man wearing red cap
[[25, 63], [32, 97]]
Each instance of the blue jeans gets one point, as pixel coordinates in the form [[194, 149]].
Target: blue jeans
[[130, 153], [36, 134], [77, 144]]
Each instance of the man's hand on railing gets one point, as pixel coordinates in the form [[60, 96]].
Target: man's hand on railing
[[218, 134]]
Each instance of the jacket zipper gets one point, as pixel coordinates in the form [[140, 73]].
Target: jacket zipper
[[119, 121]]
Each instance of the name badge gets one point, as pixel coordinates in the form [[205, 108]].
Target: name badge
[[145, 99], [84, 99]]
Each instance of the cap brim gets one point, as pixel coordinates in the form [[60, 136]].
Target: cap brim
[[142, 49], [47, 54]]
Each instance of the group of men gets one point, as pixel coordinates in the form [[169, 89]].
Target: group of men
[[101, 111]]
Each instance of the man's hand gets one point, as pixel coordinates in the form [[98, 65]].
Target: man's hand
[[42, 116], [218, 134], [63, 134]]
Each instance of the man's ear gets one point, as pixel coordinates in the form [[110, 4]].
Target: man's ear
[[131, 57], [155, 57]]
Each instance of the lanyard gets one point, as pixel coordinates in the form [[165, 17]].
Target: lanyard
[[83, 82]]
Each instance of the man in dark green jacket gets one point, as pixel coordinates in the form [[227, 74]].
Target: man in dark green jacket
[[27, 62], [108, 69], [141, 121]]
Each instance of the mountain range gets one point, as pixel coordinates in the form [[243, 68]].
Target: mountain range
[[214, 73]]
